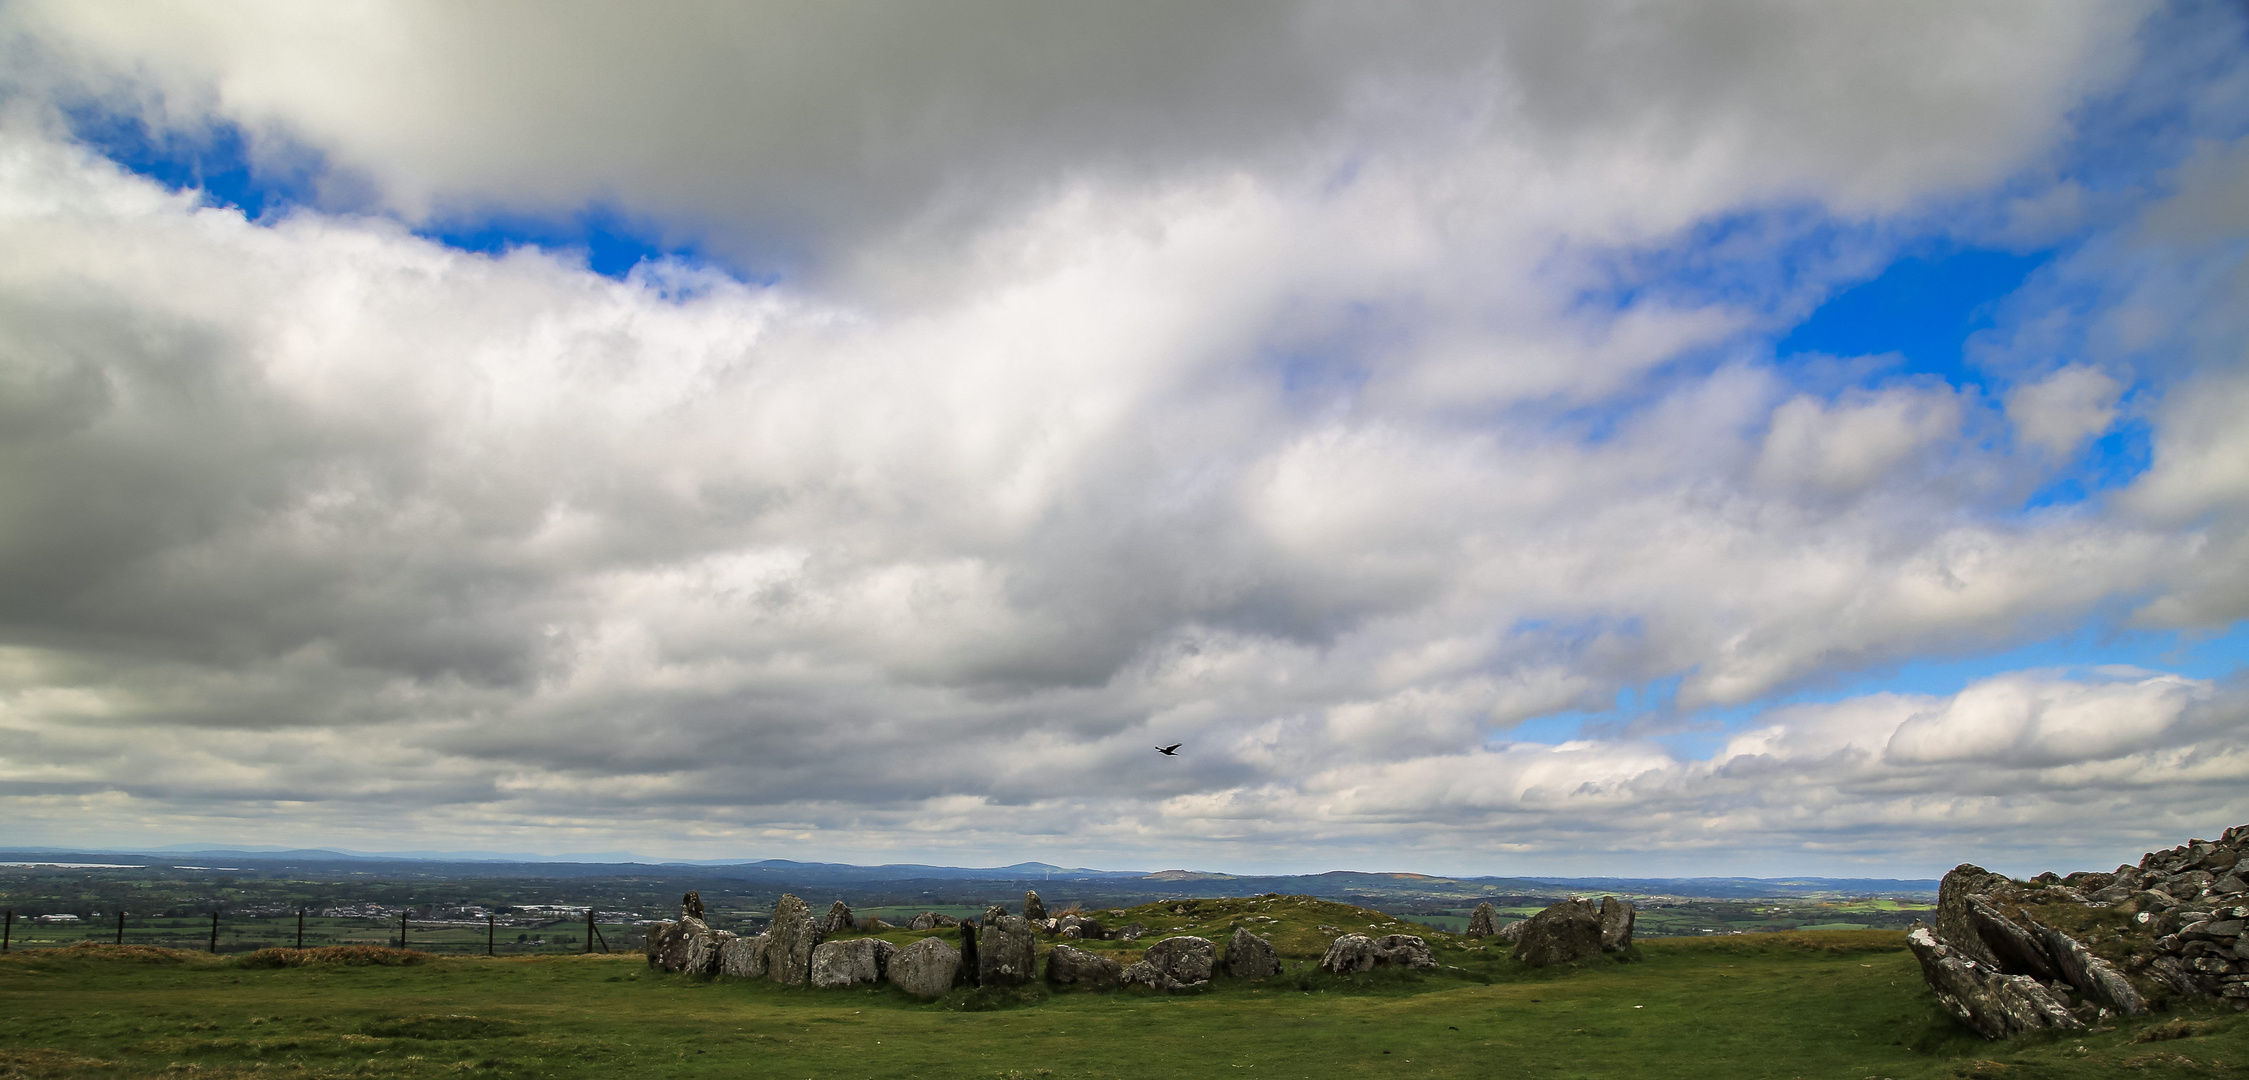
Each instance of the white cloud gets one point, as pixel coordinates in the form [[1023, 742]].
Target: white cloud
[[2061, 411]]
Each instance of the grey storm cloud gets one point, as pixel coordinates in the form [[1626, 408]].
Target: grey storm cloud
[[1128, 374]]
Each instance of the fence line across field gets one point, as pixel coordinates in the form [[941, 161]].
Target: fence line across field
[[436, 935]]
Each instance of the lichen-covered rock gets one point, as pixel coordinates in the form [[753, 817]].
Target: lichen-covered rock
[[790, 939], [1081, 927], [1350, 953], [691, 905], [703, 951], [1512, 933], [685, 946], [1250, 957], [1564, 933], [1068, 966], [1995, 1005], [1481, 920], [1128, 932], [743, 957], [659, 935], [838, 920], [927, 968], [1175, 963], [1033, 908], [1007, 953], [2090, 975], [845, 963], [1404, 950], [1617, 917]]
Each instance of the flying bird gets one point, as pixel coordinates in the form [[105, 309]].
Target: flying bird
[[1169, 751]]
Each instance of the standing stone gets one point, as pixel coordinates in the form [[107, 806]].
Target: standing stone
[[659, 936], [844, 963], [1070, 966], [790, 941], [1007, 953], [838, 921], [969, 972], [1033, 908], [1249, 956], [926, 968], [1564, 933], [1480, 921], [743, 957], [691, 905], [1616, 924]]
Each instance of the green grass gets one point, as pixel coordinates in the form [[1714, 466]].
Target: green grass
[[1834, 1004]]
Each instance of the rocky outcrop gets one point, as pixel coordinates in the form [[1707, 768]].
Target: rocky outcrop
[[1007, 953], [930, 920], [1250, 957], [1033, 908], [794, 933], [1080, 927], [1512, 933], [2187, 907], [743, 957], [1068, 966], [1996, 1005], [838, 920], [847, 963], [1175, 963], [1358, 952], [1128, 932], [927, 968], [1480, 921], [1565, 933]]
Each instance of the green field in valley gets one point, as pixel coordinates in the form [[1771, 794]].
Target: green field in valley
[[1807, 1004]]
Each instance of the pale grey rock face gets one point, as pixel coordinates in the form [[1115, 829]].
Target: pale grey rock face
[[1250, 957], [1033, 908], [794, 933], [1995, 1005], [1068, 966], [1129, 932], [927, 920], [685, 946], [1512, 933], [743, 957], [1617, 917], [838, 920], [703, 950], [846, 963], [1080, 927], [927, 968], [1350, 953], [1480, 921], [1564, 933], [1007, 953], [2092, 976]]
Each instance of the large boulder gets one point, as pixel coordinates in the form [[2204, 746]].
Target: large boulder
[[838, 920], [1007, 952], [1996, 1005], [1070, 966], [1564, 933], [659, 937], [1081, 927], [685, 946], [1250, 957], [1358, 952], [1512, 933], [794, 933], [1034, 909], [1480, 921], [1175, 963], [844, 963], [1616, 923], [927, 968], [743, 957]]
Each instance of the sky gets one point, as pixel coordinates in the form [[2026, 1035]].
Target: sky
[[1594, 438]]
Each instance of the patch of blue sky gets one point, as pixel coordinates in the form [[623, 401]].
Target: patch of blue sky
[[2086, 652], [1921, 308], [273, 176], [2106, 464]]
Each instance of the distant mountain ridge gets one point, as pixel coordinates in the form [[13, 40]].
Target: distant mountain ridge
[[796, 872]]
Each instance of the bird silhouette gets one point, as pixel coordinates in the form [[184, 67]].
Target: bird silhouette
[[1169, 751]]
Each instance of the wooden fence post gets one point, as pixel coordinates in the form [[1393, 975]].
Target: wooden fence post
[[491, 932], [8, 930], [300, 928], [214, 929], [401, 929], [121, 926], [589, 930]]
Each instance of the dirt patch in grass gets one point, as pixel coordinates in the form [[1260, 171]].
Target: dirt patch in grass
[[348, 955]]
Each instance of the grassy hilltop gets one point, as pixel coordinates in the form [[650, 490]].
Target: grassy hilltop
[[1807, 1004]]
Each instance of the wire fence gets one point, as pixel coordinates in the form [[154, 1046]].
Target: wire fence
[[493, 934]]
